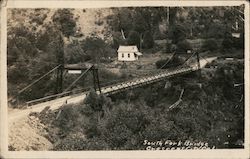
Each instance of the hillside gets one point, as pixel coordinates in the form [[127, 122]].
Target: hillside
[[89, 21]]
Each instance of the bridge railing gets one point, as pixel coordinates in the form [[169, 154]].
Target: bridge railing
[[55, 96], [147, 79]]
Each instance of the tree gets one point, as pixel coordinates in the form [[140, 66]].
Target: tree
[[172, 15], [210, 45], [125, 20], [74, 53], [216, 30], [183, 46], [28, 50], [133, 38], [118, 40], [148, 41], [65, 21], [227, 42], [177, 33], [97, 103], [139, 23], [96, 48]]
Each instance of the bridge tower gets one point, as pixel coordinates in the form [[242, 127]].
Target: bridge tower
[[198, 60], [198, 63], [96, 79], [60, 61]]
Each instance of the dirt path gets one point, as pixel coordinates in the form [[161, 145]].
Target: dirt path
[[24, 134]]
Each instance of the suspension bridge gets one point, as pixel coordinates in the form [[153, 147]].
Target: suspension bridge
[[68, 97]]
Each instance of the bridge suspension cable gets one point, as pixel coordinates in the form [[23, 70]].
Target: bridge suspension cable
[[37, 80], [168, 61], [187, 59]]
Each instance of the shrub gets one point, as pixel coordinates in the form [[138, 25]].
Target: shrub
[[160, 63], [97, 102], [70, 143], [210, 45], [87, 57], [99, 22], [183, 46], [39, 19], [65, 120], [169, 47], [175, 61]]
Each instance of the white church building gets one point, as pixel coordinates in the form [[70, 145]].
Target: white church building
[[128, 53]]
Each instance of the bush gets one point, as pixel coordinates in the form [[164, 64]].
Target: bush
[[183, 46], [209, 45], [175, 61], [170, 47], [65, 120], [97, 103], [160, 63], [99, 22], [39, 19], [70, 143]]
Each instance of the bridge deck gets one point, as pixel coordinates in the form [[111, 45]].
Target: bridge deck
[[144, 80]]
